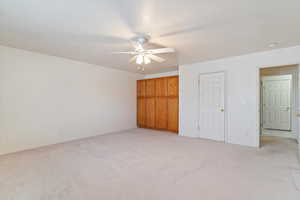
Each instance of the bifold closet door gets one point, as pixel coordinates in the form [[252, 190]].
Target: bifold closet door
[[141, 112], [141, 88], [150, 103], [141, 103], [157, 103], [150, 112], [172, 114], [161, 109], [161, 118], [172, 88]]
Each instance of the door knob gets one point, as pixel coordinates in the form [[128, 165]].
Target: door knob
[[287, 108], [222, 110]]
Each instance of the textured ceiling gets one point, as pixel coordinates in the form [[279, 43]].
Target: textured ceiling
[[199, 30]]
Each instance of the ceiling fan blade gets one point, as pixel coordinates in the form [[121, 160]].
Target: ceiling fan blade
[[161, 50], [133, 59], [126, 52], [156, 58]]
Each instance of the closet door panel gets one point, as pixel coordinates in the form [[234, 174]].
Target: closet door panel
[[157, 101], [161, 113], [173, 114], [150, 87], [141, 88], [161, 85], [173, 86], [150, 112], [141, 112]]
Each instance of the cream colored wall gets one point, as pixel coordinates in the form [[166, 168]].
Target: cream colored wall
[[158, 75], [242, 92], [46, 100]]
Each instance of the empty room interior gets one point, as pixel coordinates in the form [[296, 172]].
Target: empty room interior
[[149, 100]]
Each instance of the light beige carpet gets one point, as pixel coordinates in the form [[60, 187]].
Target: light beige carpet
[[151, 165]]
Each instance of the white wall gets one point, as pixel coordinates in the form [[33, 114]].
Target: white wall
[[158, 75], [242, 85], [46, 100]]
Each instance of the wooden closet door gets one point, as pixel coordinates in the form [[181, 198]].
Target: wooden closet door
[[150, 103], [161, 85], [141, 88], [173, 86], [150, 88], [150, 112], [161, 112], [141, 112], [173, 103], [173, 114], [141, 103], [157, 103]]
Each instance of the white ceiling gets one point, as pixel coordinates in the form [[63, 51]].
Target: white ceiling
[[89, 30]]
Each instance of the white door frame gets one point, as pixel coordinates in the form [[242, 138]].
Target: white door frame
[[225, 102], [258, 99]]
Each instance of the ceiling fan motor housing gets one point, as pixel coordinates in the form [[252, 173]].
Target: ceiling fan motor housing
[[141, 39]]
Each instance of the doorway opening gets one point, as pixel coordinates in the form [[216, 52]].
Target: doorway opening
[[279, 104]]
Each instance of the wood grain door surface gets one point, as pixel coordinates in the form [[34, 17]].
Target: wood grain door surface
[[161, 113], [157, 103], [141, 112], [173, 114]]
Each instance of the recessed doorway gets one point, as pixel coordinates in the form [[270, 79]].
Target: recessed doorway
[[276, 102], [279, 102]]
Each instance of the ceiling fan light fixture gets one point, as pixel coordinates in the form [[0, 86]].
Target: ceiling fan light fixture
[[139, 60], [145, 56], [147, 60]]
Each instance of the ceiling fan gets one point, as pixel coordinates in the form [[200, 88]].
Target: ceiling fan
[[145, 56]]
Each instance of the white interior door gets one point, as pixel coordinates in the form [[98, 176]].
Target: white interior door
[[211, 105], [276, 99]]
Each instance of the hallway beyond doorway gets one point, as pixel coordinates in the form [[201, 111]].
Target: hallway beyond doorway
[[278, 133]]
